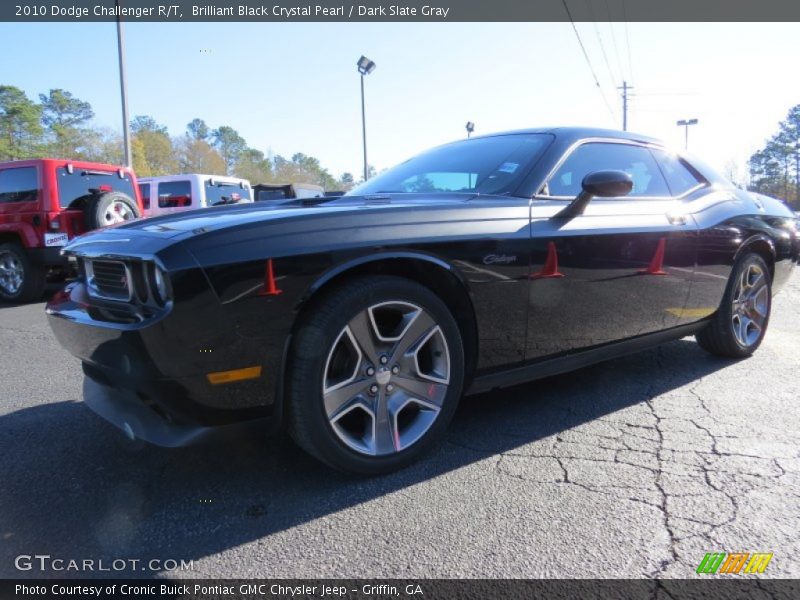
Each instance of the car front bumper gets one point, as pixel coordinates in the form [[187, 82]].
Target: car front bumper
[[151, 377], [125, 409]]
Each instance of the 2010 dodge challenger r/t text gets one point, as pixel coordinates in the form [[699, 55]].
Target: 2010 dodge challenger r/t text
[[358, 322]]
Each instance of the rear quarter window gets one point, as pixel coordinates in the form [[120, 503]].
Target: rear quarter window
[[19, 184], [679, 175]]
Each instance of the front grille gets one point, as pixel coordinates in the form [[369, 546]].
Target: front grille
[[109, 279]]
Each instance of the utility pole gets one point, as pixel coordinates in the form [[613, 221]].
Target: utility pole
[[625, 87], [685, 123], [126, 127]]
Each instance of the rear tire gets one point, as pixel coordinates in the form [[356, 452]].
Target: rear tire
[[375, 374], [110, 208], [21, 280], [738, 327]]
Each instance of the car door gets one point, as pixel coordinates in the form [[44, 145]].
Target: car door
[[20, 208], [619, 270]]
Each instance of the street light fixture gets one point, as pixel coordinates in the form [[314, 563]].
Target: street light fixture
[[685, 123], [470, 128], [365, 67]]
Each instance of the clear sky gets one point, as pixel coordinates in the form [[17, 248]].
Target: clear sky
[[293, 87]]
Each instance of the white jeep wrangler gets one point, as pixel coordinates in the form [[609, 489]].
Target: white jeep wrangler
[[173, 193]]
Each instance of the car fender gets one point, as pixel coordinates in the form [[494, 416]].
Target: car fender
[[754, 239], [359, 261], [25, 231]]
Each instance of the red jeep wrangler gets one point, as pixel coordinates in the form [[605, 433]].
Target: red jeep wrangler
[[44, 203]]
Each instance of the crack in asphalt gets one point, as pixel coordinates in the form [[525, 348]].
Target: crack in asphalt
[[650, 394], [696, 464]]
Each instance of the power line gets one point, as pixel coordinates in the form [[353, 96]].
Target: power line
[[600, 43], [588, 62], [627, 40], [603, 51], [668, 94], [614, 38]]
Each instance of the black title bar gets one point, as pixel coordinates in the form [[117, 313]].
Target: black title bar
[[407, 11], [709, 588]]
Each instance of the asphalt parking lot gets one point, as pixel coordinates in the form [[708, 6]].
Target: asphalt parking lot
[[633, 468]]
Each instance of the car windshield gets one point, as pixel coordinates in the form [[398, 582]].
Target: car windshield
[[489, 165], [82, 183]]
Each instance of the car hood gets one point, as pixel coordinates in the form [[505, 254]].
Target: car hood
[[148, 237], [197, 222]]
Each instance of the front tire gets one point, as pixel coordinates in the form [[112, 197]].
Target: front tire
[[375, 374], [738, 327], [21, 280]]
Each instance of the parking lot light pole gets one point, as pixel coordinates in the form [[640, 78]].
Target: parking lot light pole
[[365, 67], [126, 127], [685, 123]]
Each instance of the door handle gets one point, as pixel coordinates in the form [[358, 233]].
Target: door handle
[[677, 218]]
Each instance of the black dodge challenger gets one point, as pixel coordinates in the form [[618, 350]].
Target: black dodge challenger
[[358, 322]]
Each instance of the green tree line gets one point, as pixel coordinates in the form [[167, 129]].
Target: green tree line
[[775, 168], [60, 125]]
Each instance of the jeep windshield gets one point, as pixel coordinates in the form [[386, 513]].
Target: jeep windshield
[[490, 165], [77, 187]]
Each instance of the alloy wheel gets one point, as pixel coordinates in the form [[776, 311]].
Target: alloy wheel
[[12, 273], [750, 305], [117, 212], [386, 377]]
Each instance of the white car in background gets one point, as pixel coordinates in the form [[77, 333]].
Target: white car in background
[[173, 193]]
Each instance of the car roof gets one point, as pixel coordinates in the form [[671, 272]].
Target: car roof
[[577, 133], [201, 176], [58, 162]]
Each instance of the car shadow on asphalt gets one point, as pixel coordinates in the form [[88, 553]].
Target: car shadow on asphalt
[[50, 290], [74, 487]]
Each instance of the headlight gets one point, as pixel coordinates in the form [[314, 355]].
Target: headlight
[[159, 283]]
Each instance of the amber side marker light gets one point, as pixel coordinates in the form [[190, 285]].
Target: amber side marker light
[[235, 375]]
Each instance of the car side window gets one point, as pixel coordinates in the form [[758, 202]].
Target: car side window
[[679, 175], [603, 156], [174, 194], [19, 184], [144, 192]]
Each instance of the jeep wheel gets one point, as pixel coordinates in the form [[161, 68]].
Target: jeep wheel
[[20, 279], [375, 375], [110, 208]]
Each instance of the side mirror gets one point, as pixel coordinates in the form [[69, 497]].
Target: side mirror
[[607, 184], [600, 184]]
